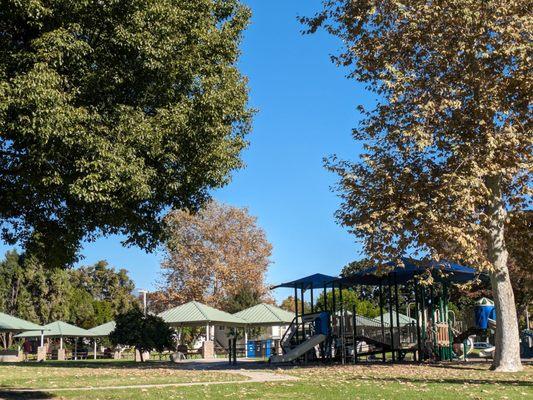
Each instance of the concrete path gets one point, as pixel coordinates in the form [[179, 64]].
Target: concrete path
[[253, 377]]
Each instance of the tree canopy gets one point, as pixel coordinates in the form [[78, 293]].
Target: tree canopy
[[214, 256], [448, 144], [111, 113], [86, 297], [144, 332]]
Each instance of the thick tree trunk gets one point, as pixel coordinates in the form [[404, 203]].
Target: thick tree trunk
[[507, 353]]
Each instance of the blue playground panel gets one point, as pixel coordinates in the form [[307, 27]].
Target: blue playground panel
[[322, 324], [482, 314]]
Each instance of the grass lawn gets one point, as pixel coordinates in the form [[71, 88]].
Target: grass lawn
[[407, 381], [54, 374]]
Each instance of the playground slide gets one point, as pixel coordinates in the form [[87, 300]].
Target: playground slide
[[299, 350]]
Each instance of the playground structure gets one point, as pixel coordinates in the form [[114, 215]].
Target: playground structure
[[331, 332]]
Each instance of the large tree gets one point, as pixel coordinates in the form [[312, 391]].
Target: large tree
[[213, 255], [106, 285], [86, 297], [111, 112], [448, 142]]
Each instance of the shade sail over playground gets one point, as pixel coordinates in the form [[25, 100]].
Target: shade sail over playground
[[58, 329], [8, 323], [398, 273], [315, 281], [265, 314], [104, 329], [198, 314]]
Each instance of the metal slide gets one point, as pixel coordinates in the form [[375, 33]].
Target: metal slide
[[299, 350]]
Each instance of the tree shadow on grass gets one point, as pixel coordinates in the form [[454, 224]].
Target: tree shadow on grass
[[218, 365], [24, 395]]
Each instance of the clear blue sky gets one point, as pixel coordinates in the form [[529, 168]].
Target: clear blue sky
[[306, 112]]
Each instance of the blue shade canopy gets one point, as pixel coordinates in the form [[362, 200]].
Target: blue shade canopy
[[315, 281], [444, 271]]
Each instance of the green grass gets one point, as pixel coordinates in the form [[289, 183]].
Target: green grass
[[467, 381], [60, 374]]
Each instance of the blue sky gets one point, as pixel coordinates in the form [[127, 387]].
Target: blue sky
[[306, 112]]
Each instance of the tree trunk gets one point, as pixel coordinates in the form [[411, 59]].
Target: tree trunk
[[507, 353]]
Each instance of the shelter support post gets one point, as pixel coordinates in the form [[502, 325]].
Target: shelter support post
[[354, 333], [245, 342], [94, 355], [303, 311], [397, 302], [312, 300], [417, 311], [297, 332], [341, 326], [391, 321], [381, 317], [325, 298]]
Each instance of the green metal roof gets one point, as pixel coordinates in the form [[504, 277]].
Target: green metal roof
[[363, 321], [265, 314], [404, 319], [57, 329], [104, 329], [195, 314], [8, 323]]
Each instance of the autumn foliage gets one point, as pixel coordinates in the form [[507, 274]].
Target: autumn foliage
[[213, 256]]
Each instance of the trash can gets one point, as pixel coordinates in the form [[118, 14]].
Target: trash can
[[268, 348], [483, 311], [250, 349]]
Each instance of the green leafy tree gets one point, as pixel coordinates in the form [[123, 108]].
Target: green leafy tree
[[357, 266], [288, 304], [350, 299], [111, 113], [81, 307], [105, 284], [143, 332], [244, 298], [448, 142], [31, 291]]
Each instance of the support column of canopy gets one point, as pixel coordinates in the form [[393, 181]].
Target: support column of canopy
[[303, 312], [246, 342], [297, 331], [418, 333], [397, 303], [391, 321], [381, 301], [341, 327]]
